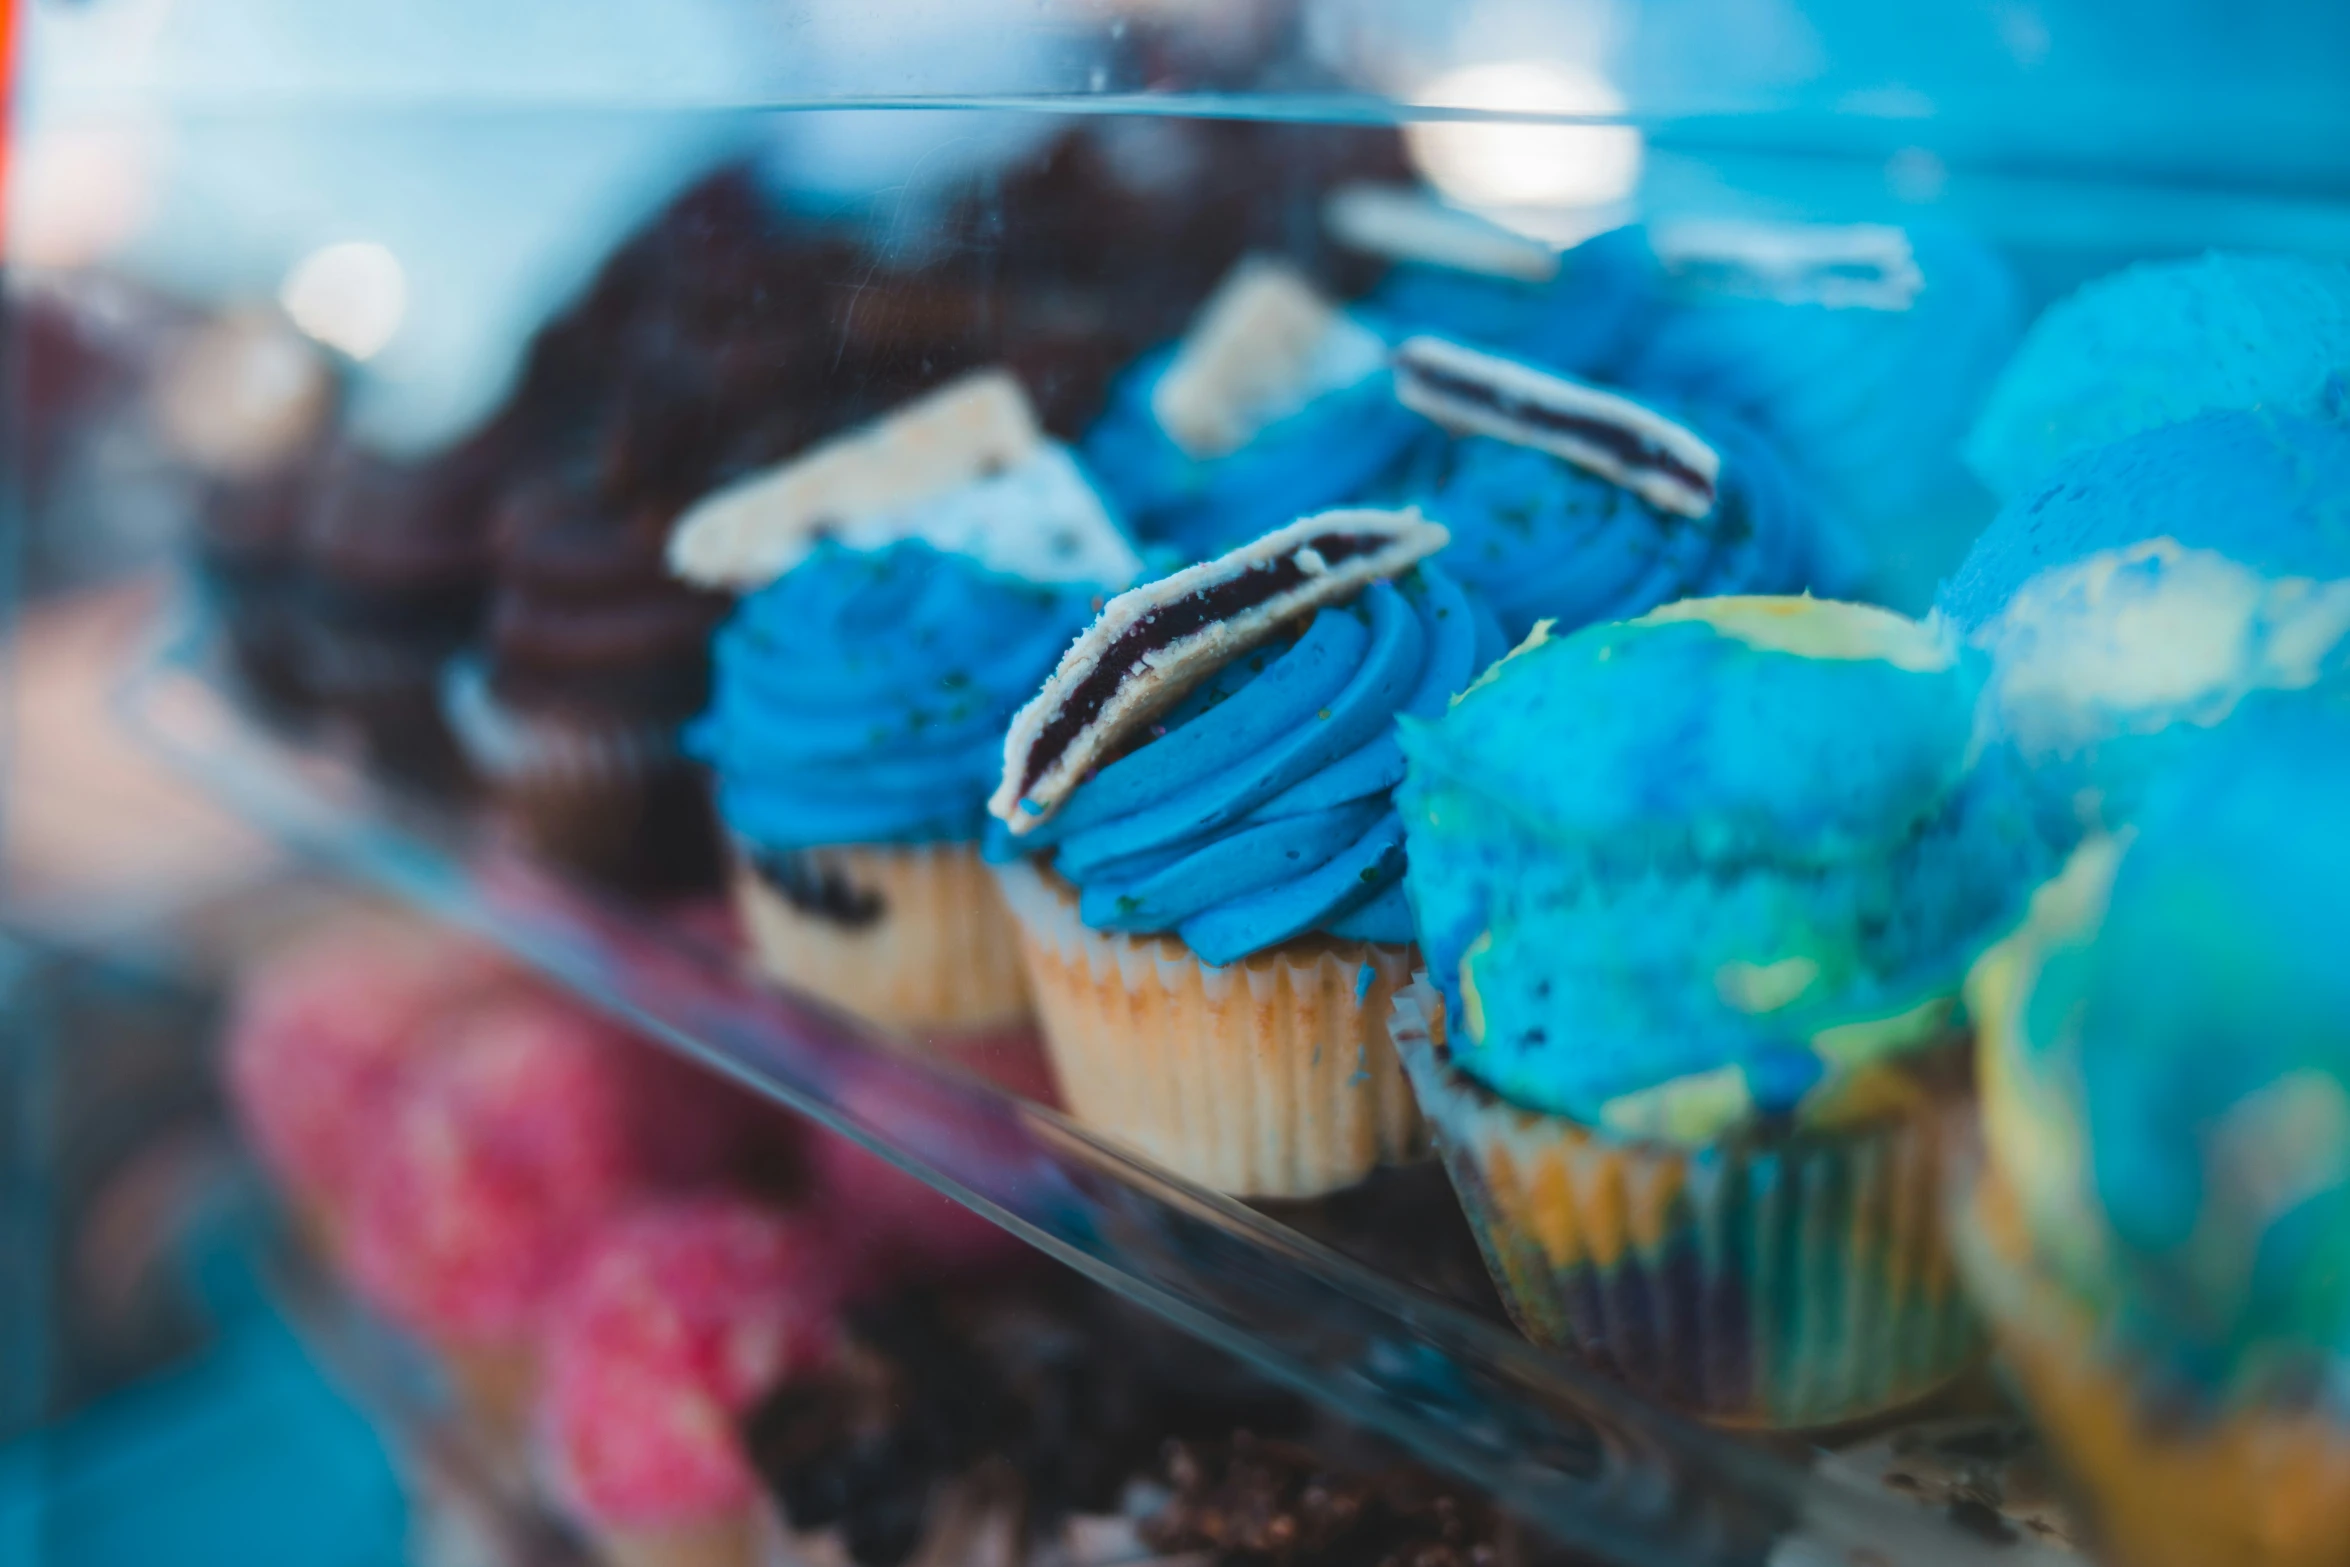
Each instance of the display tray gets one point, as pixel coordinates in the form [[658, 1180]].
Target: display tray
[[1419, 1358]]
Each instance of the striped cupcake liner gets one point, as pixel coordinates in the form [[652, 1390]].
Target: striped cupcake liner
[[1269, 1077], [1792, 1281], [914, 937]]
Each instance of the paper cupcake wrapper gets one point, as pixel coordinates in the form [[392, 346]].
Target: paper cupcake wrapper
[[2256, 1486], [937, 952], [495, 1389], [1269, 1077], [734, 1540], [1799, 1281]]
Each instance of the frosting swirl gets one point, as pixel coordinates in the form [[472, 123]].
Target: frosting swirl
[[862, 697], [1343, 446], [1870, 403], [2159, 343], [1773, 857], [1261, 807], [1585, 319], [1538, 538]]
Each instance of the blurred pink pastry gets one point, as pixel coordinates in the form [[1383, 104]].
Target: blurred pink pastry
[[320, 1032], [503, 1152], [681, 1315]]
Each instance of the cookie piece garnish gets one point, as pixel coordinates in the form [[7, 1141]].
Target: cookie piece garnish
[[1263, 346], [1469, 392], [966, 468], [1401, 224], [1154, 643], [1852, 266]]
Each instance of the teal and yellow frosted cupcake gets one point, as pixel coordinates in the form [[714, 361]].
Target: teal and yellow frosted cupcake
[[1697, 892], [2161, 1235]]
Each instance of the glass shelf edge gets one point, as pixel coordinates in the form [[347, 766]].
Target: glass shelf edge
[[1595, 1467]]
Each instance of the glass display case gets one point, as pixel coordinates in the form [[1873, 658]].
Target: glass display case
[[612, 479]]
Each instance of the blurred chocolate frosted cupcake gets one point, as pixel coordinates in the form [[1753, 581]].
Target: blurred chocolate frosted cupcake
[[571, 707], [248, 558], [397, 568]]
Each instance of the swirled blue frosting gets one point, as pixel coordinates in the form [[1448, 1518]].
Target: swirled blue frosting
[[1345, 447], [2159, 343], [1262, 808], [1871, 404], [1585, 320], [862, 697], [1538, 538], [2176, 1060], [1683, 871]]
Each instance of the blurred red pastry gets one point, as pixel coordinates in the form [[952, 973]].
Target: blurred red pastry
[[507, 1147], [682, 1315], [320, 1034]]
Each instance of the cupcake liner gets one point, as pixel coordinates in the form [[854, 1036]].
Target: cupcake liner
[[2255, 1486], [495, 1389], [920, 942], [733, 1540], [1269, 1077], [1801, 1280], [611, 799]]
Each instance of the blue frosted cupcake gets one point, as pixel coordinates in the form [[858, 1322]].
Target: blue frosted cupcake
[[2160, 343], [2130, 601], [1275, 404], [1697, 892], [1564, 504], [1215, 921], [2162, 1232], [1861, 352], [905, 589]]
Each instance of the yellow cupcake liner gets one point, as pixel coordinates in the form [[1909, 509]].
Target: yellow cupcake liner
[[2257, 1486], [731, 1540], [1797, 1281], [937, 952], [1269, 1077]]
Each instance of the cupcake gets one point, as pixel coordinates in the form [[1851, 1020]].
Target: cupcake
[[397, 559], [2131, 601], [681, 1316], [591, 664], [320, 1037], [1570, 503], [1696, 893], [2159, 343], [1460, 276], [2161, 1233], [906, 587], [503, 1152], [1276, 403], [1861, 352], [1215, 919]]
